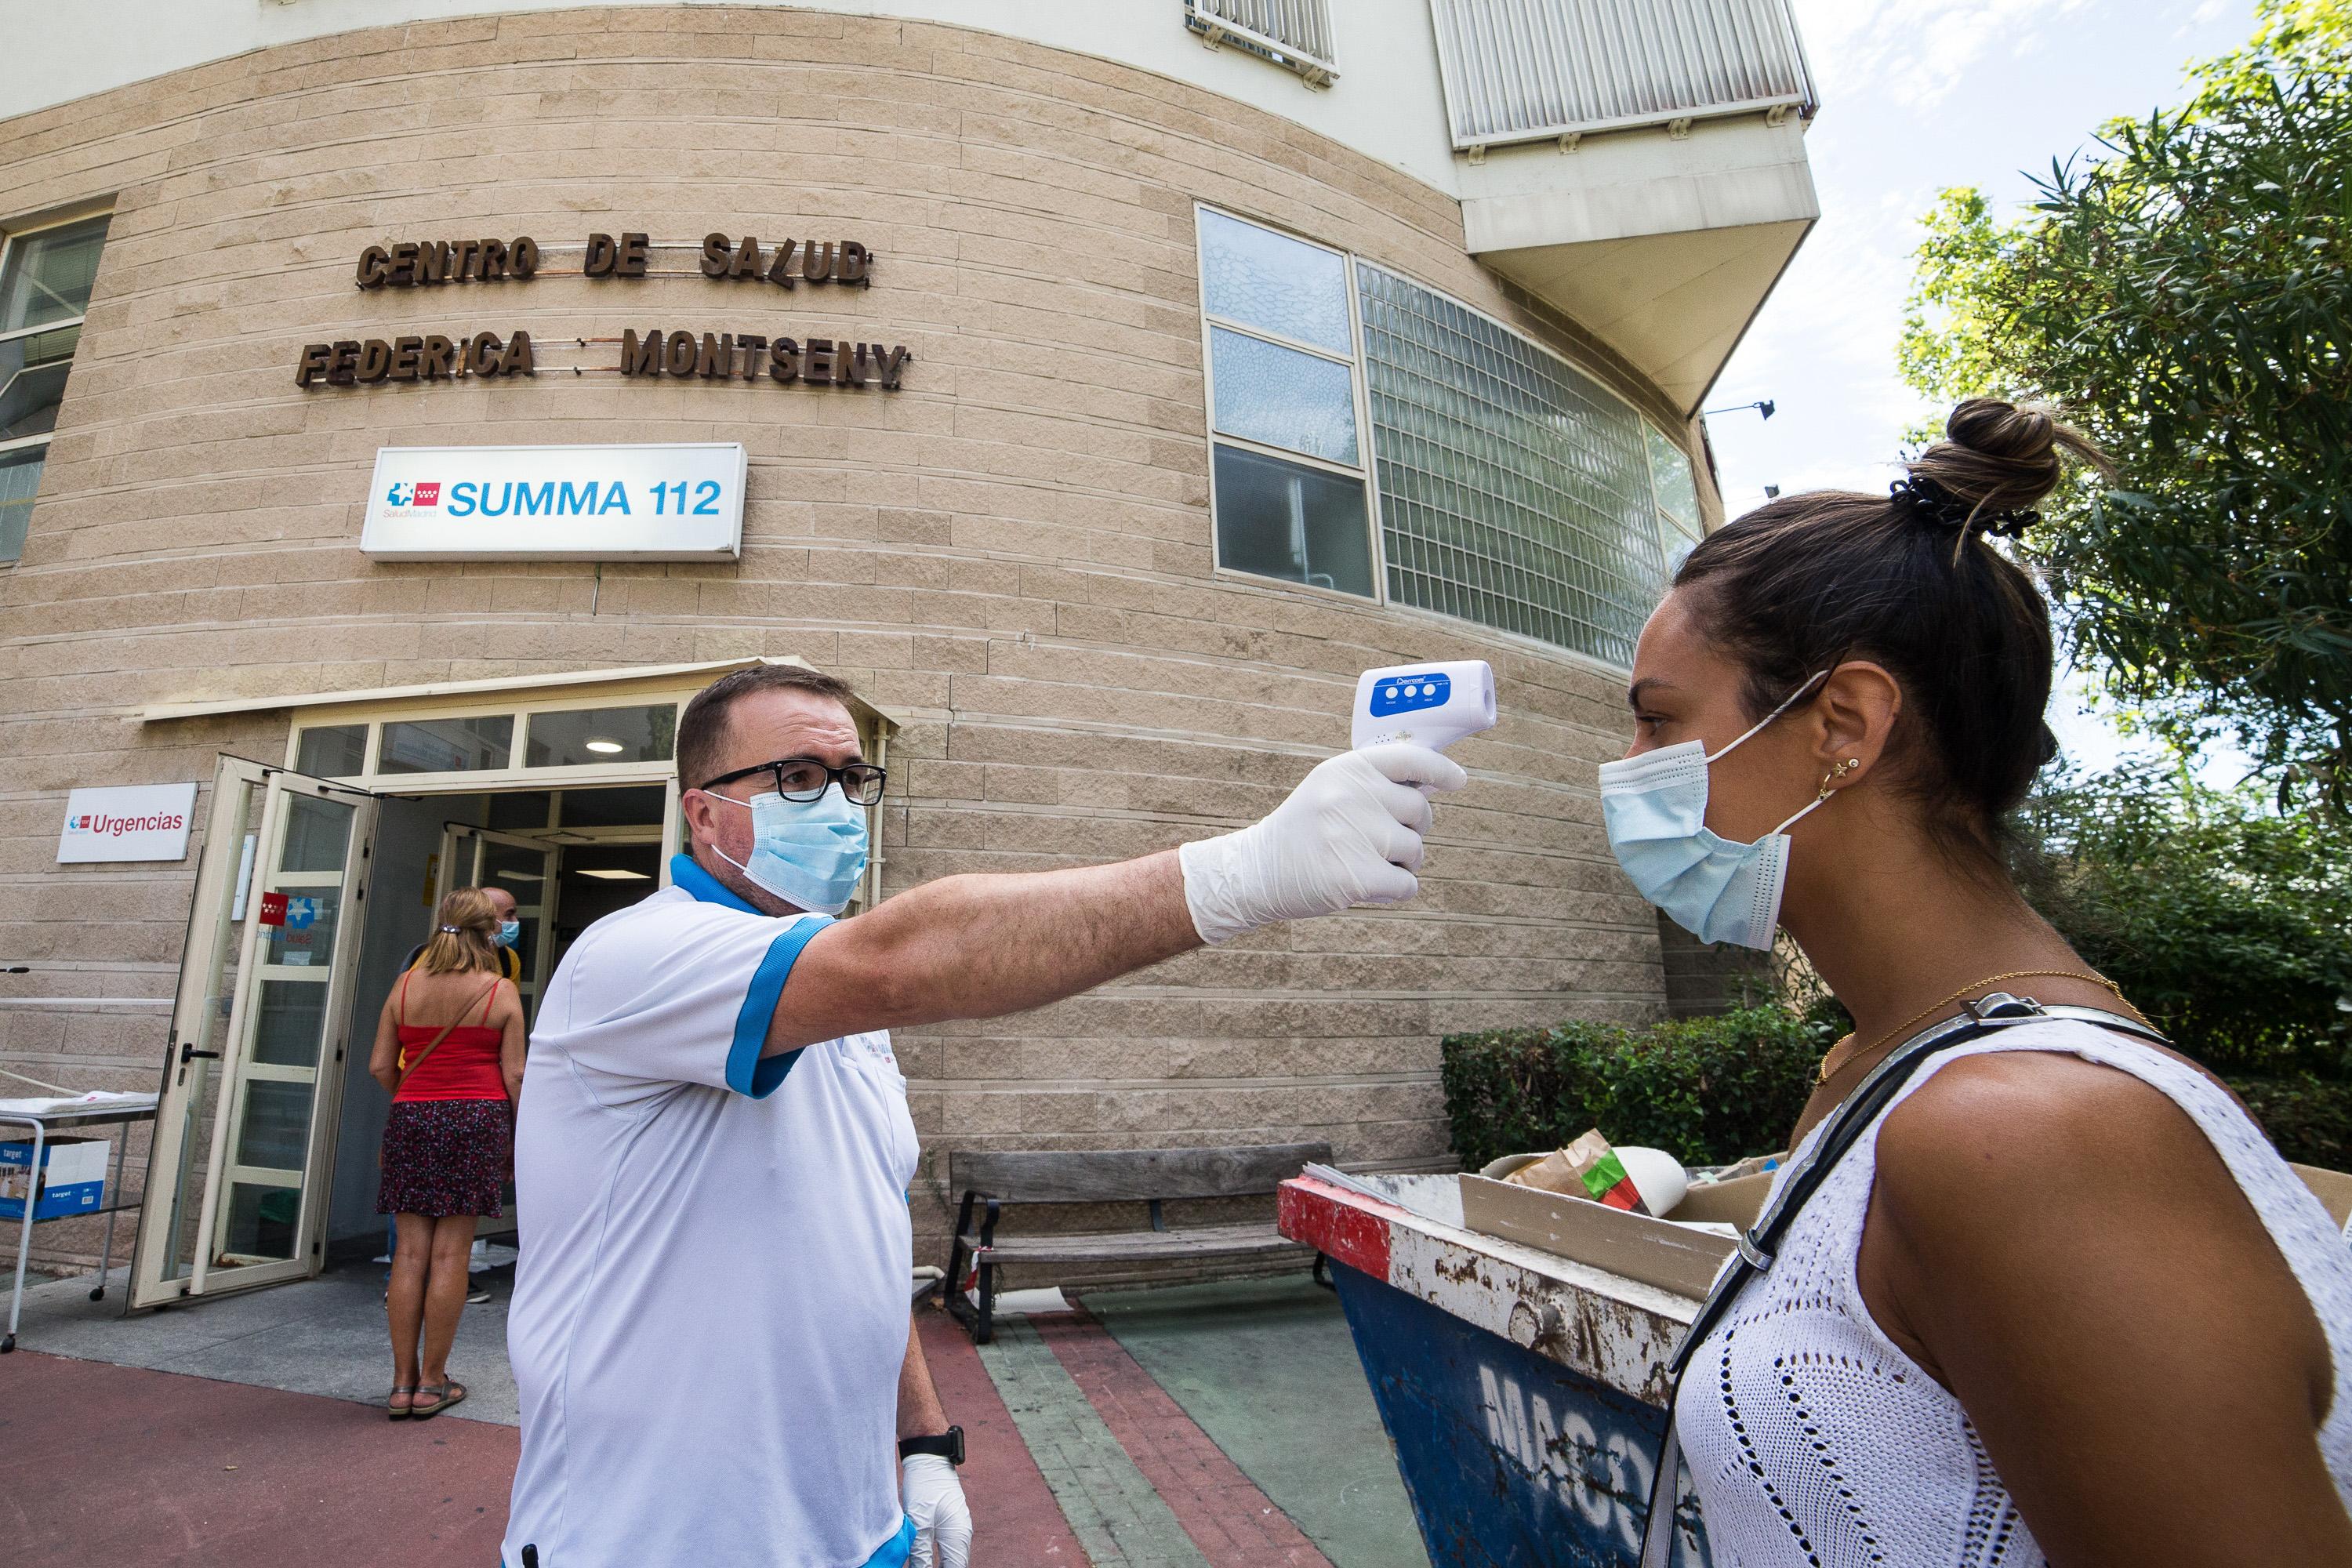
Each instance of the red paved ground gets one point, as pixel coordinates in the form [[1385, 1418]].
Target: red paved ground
[[108, 1463], [1014, 1519], [1234, 1524]]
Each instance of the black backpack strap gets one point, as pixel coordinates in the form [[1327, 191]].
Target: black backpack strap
[[1843, 1131]]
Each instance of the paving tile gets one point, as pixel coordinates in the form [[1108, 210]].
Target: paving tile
[[1268, 1370], [1118, 1518], [1233, 1523]]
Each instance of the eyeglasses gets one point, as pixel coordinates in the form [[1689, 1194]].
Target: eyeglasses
[[805, 779]]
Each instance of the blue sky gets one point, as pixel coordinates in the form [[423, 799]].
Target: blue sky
[[1918, 95]]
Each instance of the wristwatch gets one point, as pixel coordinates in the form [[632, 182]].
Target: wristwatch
[[948, 1446]]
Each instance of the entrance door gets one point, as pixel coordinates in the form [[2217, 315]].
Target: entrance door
[[237, 1191], [525, 868]]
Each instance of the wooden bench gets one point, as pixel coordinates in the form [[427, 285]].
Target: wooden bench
[[1152, 1176]]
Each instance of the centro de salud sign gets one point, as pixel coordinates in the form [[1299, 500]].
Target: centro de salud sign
[[781, 359], [652, 501]]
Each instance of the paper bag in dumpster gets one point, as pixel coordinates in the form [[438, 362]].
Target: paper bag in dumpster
[[1588, 1168]]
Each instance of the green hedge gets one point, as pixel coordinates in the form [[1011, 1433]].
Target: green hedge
[[2309, 1119], [1711, 1090], [1707, 1090]]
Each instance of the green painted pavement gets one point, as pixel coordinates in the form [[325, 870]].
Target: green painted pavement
[[1267, 1369], [1117, 1517]]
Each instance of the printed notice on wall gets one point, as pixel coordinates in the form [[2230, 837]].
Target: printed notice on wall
[[677, 501], [127, 822]]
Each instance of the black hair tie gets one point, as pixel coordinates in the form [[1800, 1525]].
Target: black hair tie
[[1924, 500]]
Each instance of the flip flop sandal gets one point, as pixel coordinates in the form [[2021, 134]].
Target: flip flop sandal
[[452, 1393], [400, 1412]]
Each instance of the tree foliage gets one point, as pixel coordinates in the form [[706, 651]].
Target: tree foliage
[[2185, 293], [2229, 924]]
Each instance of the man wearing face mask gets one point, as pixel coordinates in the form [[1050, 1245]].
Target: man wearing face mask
[[509, 933], [711, 1334]]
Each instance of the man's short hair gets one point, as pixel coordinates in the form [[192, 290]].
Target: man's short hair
[[702, 728]]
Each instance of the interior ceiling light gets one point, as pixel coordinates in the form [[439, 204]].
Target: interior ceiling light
[[604, 744], [520, 876], [615, 874]]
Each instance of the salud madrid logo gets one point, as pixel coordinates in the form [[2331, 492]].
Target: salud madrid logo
[[424, 492]]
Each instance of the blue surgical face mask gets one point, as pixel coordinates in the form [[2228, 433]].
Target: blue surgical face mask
[[1655, 808], [808, 853], [509, 932]]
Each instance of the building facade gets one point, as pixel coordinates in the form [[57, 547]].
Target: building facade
[[1109, 389]]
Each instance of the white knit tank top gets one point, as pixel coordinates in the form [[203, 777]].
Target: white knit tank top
[[1813, 1441]]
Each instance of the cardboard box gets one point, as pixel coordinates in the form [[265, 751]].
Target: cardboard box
[[1736, 1202], [1654, 1251], [72, 1178], [2331, 1188]]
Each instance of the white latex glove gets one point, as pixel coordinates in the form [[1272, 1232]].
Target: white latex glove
[[933, 1499], [1350, 834]]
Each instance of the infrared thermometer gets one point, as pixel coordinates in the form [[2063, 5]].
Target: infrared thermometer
[[1431, 705]]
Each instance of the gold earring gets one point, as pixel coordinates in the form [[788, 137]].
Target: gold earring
[[1832, 778]]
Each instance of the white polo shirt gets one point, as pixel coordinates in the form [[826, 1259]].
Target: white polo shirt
[[711, 1306]]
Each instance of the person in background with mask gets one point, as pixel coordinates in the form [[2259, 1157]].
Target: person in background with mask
[[711, 1334], [509, 933], [2061, 1267]]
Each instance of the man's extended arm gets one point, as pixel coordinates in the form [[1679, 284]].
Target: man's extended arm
[[981, 946]]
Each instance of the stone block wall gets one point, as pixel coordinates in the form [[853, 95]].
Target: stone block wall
[[1013, 551]]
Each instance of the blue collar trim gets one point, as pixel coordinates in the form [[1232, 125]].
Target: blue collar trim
[[709, 890]]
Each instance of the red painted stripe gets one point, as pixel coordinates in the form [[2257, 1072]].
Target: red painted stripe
[[1233, 1524], [1336, 1223], [1014, 1519]]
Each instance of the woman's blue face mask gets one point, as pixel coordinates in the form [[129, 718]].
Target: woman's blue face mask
[[808, 853], [1655, 808]]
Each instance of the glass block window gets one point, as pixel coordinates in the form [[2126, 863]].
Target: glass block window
[[1288, 486], [46, 276], [1679, 525], [1515, 490]]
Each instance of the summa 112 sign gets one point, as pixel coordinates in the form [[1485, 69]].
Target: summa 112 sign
[[672, 501]]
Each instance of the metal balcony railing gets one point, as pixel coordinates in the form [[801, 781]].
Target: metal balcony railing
[[1294, 34], [1529, 70]]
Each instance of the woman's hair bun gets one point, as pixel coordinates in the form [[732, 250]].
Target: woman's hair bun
[[2004, 457]]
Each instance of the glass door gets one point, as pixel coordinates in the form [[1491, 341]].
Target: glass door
[[525, 867], [237, 1192]]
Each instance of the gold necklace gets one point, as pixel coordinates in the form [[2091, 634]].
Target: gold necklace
[[1822, 1075]]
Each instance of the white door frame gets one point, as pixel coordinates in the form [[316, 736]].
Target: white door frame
[[218, 918]]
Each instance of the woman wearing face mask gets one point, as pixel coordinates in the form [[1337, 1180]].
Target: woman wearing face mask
[[2059, 1295], [449, 1048]]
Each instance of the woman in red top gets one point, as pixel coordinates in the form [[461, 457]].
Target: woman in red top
[[449, 1047]]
